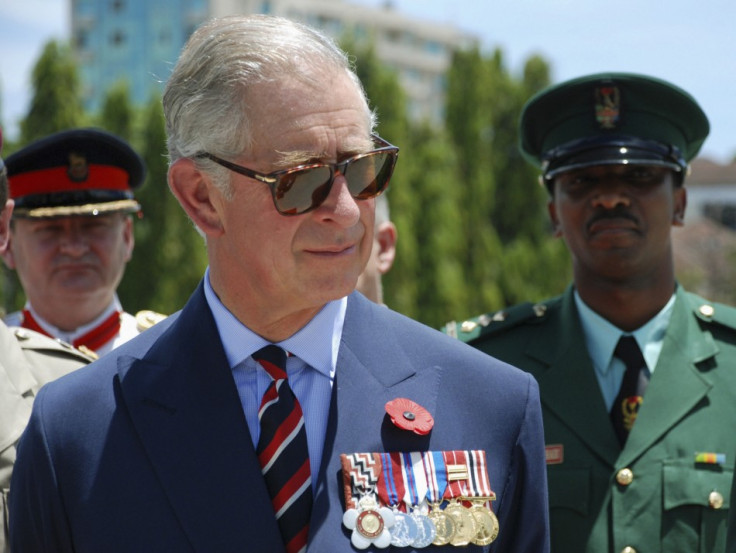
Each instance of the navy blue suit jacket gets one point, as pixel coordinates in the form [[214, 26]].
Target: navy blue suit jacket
[[148, 450]]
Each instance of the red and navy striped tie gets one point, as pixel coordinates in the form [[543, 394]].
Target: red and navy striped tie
[[283, 453]]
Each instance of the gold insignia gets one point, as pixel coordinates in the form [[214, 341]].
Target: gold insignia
[[78, 170], [499, 316], [539, 309], [88, 352], [468, 326], [607, 106], [630, 409], [483, 320], [146, 319], [706, 310]]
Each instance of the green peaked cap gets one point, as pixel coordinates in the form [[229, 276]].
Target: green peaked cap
[[611, 118]]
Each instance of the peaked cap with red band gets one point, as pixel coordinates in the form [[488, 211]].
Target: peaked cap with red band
[[75, 172]]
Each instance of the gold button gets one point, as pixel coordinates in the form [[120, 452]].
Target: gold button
[[624, 477], [715, 500], [706, 310], [628, 549]]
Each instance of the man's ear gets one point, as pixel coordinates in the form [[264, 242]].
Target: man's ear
[[552, 211], [678, 215], [197, 195], [6, 250], [386, 237], [128, 236]]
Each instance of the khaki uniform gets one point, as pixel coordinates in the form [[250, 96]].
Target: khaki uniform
[[27, 361], [654, 495]]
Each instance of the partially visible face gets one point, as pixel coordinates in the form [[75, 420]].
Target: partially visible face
[[616, 220], [75, 257], [301, 261]]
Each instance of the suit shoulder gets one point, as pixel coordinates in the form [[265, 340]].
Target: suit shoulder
[[489, 324], [712, 312]]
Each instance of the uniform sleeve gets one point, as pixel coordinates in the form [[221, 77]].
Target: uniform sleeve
[[38, 522], [525, 506]]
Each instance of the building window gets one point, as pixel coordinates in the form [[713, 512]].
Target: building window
[[117, 38], [81, 40], [164, 36]]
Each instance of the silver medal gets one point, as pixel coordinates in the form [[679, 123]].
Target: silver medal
[[404, 531], [426, 531]]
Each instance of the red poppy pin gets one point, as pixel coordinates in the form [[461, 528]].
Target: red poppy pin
[[408, 415]]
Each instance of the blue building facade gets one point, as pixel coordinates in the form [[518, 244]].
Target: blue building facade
[[132, 41]]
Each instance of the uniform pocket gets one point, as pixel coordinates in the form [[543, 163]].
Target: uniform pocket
[[696, 502]]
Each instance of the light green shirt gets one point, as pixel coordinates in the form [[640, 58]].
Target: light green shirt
[[601, 338]]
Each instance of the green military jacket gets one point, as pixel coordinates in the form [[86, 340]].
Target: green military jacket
[[654, 495], [27, 361]]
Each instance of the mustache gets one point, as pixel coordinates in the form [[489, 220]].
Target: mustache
[[618, 212]]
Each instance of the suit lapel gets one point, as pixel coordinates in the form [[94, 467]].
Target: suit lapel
[[569, 388], [184, 406], [676, 386]]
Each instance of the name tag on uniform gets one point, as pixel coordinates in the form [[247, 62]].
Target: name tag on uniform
[[554, 454]]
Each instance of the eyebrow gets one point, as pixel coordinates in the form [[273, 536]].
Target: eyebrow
[[294, 158]]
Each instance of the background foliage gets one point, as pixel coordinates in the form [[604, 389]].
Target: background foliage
[[471, 217]]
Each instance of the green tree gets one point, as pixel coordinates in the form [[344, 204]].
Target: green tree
[[169, 257], [117, 114], [56, 103]]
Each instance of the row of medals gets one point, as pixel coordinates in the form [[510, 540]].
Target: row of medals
[[456, 524]]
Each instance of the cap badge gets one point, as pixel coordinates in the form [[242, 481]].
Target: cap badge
[[78, 170], [607, 106]]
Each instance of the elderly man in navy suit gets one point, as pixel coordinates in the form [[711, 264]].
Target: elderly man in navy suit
[[278, 411]]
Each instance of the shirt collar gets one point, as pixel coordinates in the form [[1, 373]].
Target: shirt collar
[[70, 336], [317, 343], [601, 336]]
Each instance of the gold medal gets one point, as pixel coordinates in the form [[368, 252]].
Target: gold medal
[[369, 523], [445, 525], [465, 525], [486, 523]]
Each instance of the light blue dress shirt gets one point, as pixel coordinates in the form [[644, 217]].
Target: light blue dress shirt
[[601, 338], [310, 368]]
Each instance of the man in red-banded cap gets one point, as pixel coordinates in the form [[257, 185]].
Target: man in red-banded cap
[[28, 360], [71, 235]]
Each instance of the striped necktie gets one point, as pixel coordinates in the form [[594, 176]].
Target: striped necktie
[[283, 453], [631, 394]]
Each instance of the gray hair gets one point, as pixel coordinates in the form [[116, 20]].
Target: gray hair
[[206, 98]]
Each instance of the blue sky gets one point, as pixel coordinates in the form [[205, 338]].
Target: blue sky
[[689, 43]]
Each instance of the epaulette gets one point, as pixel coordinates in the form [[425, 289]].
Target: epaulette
[[146, 318], [713, 312], [471, 329], [32, 340]]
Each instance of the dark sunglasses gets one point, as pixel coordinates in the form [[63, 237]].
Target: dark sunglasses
[[304, 188]]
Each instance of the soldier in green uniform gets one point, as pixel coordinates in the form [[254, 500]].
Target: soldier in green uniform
[[637, 376], [27, 361]]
